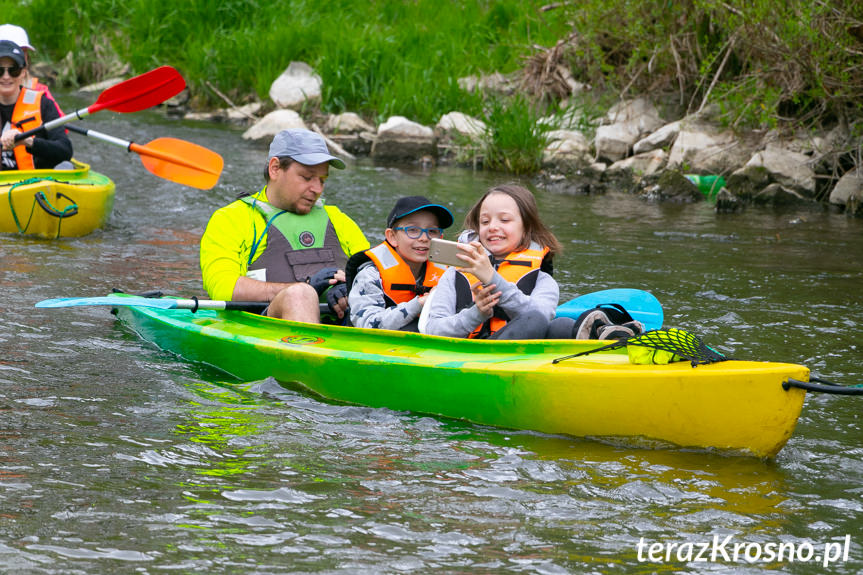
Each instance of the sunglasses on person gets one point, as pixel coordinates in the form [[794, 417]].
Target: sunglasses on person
[[14, 71], [416, 232]]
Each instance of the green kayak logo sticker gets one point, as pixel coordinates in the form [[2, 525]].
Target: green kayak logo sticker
[[302, 339]]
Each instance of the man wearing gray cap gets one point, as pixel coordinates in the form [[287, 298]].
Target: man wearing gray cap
[[282, 245]]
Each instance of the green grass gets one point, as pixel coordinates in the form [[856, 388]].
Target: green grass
[[376, 58], [763, 62], [515, 139]]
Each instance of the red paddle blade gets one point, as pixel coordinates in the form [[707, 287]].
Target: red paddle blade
[[141, 92], [180, 161]]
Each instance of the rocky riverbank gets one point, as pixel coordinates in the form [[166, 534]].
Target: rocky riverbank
[[633, 147]]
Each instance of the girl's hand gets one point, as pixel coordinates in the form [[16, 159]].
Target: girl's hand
[[476, 261], [8, 139], [485, 297]]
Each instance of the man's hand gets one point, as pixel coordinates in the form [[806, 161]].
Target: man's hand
[[322, 279], [337, 299]]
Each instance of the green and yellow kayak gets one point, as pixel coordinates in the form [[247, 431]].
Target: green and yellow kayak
[[738, 406], [55, 203]]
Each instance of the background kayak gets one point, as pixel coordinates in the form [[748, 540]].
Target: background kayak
[[55, 203]]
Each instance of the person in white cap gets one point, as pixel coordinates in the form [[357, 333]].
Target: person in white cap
[[22, 109], [282, 245], [18, 35]]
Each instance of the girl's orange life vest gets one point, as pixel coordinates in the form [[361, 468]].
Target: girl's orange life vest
[[399, 283], [520, 268]]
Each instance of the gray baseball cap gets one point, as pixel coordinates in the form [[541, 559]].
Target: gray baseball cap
[[303, 146]]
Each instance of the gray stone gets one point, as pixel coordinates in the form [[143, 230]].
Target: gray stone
[[399, 139], [273, 123], [641, 164], [849, 189], [661, 138], [566, 146], [702, 149], [614, 142], [626, 123], [748, 180], [790, 169], [778, 195], [347, 123], [639, 110], [457, 123], [295, 86], [726, 202]]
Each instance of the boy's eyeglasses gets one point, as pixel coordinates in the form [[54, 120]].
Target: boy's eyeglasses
[[14, 71], [416, 232]]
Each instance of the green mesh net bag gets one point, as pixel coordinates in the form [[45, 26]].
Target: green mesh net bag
[[660, 346]]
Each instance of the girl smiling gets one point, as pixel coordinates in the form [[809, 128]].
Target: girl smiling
[[504, 290]]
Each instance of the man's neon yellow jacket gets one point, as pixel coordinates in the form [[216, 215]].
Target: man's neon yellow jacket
[[231, 232]]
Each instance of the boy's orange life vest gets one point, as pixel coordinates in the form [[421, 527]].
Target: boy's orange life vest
[[399, 283]]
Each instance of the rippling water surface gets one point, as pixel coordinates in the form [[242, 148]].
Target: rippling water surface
[[116, 457]]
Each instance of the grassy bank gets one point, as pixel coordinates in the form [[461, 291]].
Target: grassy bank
[[377, 58], [762, 62]]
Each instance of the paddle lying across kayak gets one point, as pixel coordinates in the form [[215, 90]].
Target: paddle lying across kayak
[[642, 305], [741, 406]]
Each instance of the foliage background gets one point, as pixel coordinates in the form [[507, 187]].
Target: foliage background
[[763, 63]]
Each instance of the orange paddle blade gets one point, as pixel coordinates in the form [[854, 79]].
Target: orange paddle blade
[[180, 161], [141, 92]]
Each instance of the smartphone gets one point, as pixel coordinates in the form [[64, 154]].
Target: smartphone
[[444, 252]]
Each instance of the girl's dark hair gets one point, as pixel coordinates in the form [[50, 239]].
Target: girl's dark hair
[[534, 229], [284, 163]]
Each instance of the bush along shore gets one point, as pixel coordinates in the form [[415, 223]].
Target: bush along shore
[[738, 102]]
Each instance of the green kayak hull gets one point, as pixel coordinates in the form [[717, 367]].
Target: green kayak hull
[[739, 406]]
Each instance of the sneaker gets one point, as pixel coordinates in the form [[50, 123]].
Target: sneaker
[[636, 326], [588, 324], [614, 332]]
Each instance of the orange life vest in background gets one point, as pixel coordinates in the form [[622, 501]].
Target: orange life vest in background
[[26, 116], [36, 85]]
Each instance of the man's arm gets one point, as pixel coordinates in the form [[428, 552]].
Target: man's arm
[[248, 289], [225, 248]]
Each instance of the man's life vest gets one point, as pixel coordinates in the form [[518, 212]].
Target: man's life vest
[[26, 116], [297, 245], [521, 268], [399, 283]]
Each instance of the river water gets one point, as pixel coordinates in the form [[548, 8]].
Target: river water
[[116, 457]]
